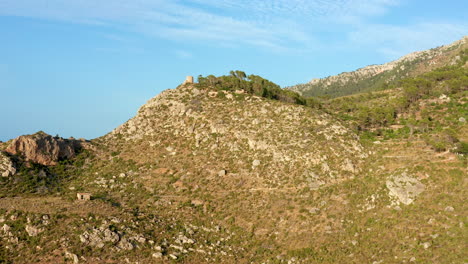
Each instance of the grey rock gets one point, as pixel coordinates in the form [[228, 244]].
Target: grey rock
[[449, 209], [98, 237], [6, 228], [185, 240], [33, 231], [110, 236], [404, 189], [157, 255], [426, 245], [197, 202], [7, 167], [72, 256], [124, 244], [255, 163]]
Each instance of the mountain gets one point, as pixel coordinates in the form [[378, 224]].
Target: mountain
[[235, 170], [378, 77]]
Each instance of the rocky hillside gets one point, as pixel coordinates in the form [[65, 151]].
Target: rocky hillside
[[210, 162], [267, 143], [228, 171], [378, 77]]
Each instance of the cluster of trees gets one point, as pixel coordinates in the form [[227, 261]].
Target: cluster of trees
[[254, 84]]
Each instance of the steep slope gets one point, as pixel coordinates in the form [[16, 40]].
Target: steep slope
[[376, 77], [209, 131]]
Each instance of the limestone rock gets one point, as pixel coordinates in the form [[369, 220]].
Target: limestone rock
[[33, 231], [404, 188], [43, 148], [7, 167], [72, 256], [255, 163], [124, 244], [98, 236], [197, 202], [6, 228], [449, 209]]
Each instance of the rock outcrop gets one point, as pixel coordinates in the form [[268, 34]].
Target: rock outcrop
[[97, 237], [33, 231], [43, 148], [404, 189], [7, 167]]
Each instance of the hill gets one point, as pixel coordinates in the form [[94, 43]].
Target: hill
[[379, 77], [235, 170]]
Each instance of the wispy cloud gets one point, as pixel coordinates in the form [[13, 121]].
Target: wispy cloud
[[273, 24], [395, 41], [183, 54], [276, 25]]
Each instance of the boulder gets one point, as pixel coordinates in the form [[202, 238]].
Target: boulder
[[124, 244], [404, 188], [255, 163], [97, 237], [43, 148], [157, 255], [7, 167], [71, 256], [33, 231]]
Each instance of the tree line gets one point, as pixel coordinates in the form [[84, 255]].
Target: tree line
[[256, 85]]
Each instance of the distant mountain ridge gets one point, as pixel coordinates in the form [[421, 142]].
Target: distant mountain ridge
[[375, 77]]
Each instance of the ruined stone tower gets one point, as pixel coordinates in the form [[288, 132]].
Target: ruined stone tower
[[188, 79]]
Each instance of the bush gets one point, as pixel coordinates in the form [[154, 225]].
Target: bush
[[462, 148]]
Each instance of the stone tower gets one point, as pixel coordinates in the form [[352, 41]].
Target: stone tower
[[188, 79]]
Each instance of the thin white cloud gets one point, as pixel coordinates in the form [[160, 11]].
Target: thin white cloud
[[274, 24], [183, 54], [395, 41]]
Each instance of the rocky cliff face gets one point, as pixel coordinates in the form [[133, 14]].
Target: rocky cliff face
[[370, 77], [43, 149]]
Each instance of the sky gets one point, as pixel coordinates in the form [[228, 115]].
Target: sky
[[82, 67]]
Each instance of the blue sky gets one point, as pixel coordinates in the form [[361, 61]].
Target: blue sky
[[82, 67]]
